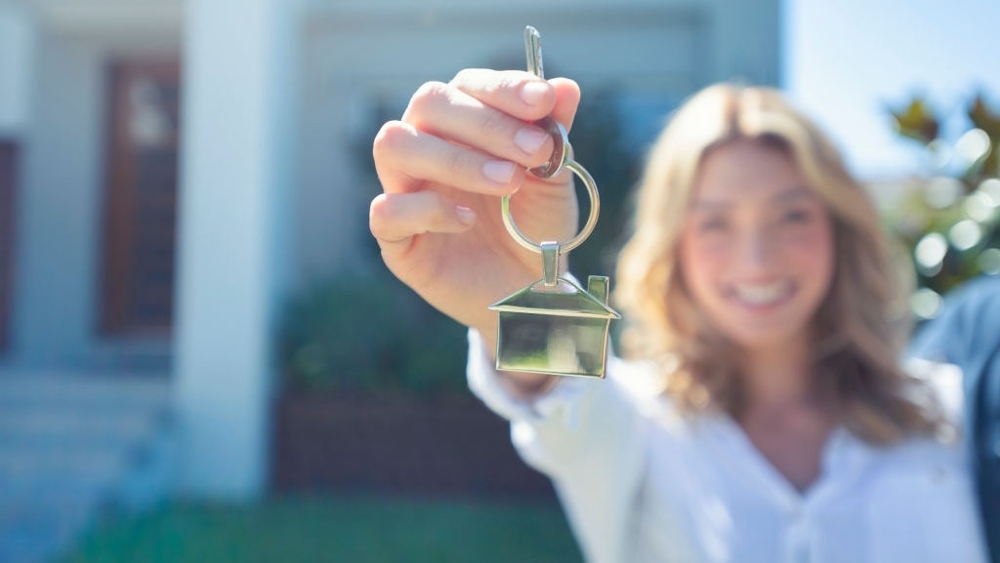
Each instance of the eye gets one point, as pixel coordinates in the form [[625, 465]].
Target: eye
[[796, 216], [712, 225]]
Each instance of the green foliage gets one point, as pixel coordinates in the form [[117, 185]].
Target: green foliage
[[370, 334], [985, 120], [916, 121], [950, 220]]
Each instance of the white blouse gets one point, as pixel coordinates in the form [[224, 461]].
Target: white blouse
[[640, 484]]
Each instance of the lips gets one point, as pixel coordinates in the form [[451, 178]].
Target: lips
[[762, 295]]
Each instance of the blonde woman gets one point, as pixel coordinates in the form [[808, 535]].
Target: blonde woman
[[762, 415]]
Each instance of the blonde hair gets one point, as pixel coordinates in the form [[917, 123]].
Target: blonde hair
[[857, 336]]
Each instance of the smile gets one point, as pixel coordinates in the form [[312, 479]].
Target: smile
[[763, 294]]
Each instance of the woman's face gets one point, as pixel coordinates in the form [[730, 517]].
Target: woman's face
[[756, 250]]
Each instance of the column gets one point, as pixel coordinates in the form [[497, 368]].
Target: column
[[239, 100]]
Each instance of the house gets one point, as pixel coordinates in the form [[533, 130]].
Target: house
[[170, 172], [556, 328]]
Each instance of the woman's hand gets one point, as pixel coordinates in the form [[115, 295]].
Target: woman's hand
[[443, 167]]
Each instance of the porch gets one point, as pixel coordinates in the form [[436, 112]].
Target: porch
[[76, 446]]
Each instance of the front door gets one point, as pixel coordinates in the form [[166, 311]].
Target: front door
[[141, 200], [8, 179]]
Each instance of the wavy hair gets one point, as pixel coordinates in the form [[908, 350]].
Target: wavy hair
[[858, 329]]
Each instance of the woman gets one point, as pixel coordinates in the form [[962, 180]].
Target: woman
[[763, 417]]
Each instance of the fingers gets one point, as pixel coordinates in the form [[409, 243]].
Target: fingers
[[447, 112], [472, 133], [521, 94], [395, 218], [567, 101], [405, 157], [514, 92], [492, 110]]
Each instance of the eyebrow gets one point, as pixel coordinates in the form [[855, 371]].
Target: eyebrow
[[790, 194], [793, 194]]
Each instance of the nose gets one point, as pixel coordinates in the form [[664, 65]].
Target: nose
[[758, 250]]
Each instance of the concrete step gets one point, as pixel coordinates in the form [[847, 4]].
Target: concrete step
[[76, 389], [73, 447], [42, 463], [32, 426]]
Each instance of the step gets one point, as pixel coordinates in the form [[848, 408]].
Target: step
[[63, 389], [72, 447], [44, 463], [25, 426]]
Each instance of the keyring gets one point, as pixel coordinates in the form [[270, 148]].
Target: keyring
[[554, 326], [588, 227]]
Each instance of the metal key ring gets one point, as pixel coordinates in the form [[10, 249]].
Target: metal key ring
[[588, 227]]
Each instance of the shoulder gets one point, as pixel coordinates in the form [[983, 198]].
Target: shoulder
[[922, 456], [919, 485], [926, 457], [919, 470]]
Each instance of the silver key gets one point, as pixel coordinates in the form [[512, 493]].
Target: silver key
[[562, 152]]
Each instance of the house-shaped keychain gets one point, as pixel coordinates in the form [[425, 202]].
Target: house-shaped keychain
[[553, 326]]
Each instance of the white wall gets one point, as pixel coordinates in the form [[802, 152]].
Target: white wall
[[17, 50], [847, 59], [58, 231]]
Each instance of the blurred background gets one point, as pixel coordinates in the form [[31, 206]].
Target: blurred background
[[202, 357]]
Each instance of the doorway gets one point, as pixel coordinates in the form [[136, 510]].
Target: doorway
[[141, 199]]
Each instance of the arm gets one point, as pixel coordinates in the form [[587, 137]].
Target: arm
[[586, 436]]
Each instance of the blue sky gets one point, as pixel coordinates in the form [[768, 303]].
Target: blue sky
[[844, 60]]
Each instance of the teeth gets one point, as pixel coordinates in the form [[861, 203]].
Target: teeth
[[761, 294]]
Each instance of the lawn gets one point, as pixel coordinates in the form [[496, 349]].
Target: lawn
[[350, 529]]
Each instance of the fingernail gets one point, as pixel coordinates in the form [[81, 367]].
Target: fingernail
[[533, 92], [529, 139], [500, 171], [465, 215]]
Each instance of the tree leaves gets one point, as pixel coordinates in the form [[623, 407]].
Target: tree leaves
[[982, 117], [916, 121]]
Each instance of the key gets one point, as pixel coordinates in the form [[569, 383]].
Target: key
[[554, 326], [562, 152]]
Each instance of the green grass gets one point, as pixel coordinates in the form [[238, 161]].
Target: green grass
[[349, 529]]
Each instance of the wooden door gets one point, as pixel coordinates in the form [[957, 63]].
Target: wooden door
[[141, 198], [8, 181]]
